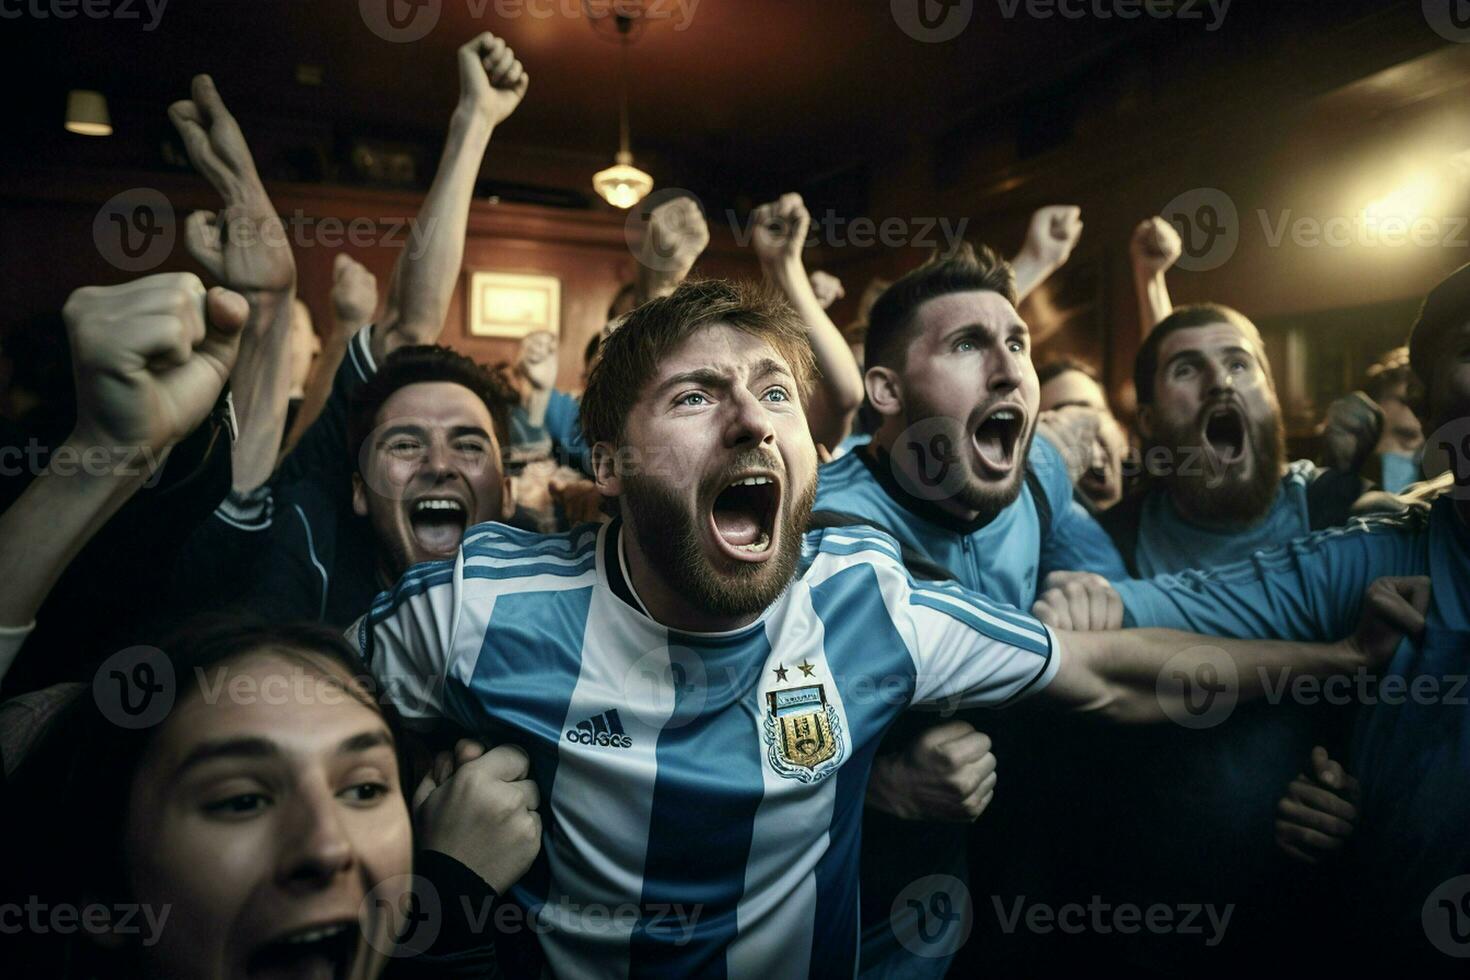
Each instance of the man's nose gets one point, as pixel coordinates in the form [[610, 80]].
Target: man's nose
[[749, 422]]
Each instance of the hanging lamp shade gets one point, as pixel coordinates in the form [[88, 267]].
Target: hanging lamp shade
[[86, 113]]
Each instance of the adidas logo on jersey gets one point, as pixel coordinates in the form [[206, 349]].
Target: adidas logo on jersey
[[602, 729]]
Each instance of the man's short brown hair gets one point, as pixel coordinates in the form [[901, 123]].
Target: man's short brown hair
[[630, 357], [891, 322]]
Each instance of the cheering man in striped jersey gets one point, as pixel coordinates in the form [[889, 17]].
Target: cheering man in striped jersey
[[702, 683]]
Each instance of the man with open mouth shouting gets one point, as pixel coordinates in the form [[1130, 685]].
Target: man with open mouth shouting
[[956, 473], [701, 685], [1217, 487]]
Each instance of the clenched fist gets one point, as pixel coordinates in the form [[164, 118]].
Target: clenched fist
[[827, 288], [479, 808], [946, 775], [1080, 601], [354, 293], [491, 81], [677, 235], [779, 230], [1052, 234], [1316, 817], [1155, 246], [150, 357]]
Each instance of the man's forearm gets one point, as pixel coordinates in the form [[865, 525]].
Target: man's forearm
[[1030, 272], [1153, 299], [1152, 675], [260, 386], [58, 514], [318, 386], [429, 266], [838, 378]]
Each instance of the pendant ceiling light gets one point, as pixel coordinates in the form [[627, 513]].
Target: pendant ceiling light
[[86, 113], [622, 185]]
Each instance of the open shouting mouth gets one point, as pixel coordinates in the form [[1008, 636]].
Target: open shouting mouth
[[325, 951], [743, 516], [997, 437], [1223, 432], [438, 522]]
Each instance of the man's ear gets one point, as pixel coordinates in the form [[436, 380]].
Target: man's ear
[[359, 496], [507, 498], [605, 470], [1144, 422], [885, 390]]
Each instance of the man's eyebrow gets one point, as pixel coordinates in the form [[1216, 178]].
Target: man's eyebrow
[[1190, 353], [769, 365], [400, 428], [468, 430], [706, 377]]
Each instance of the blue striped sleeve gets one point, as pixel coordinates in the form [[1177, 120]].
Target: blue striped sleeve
[[1308, 590]]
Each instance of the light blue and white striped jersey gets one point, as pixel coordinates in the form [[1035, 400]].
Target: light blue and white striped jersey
[[701, 793]]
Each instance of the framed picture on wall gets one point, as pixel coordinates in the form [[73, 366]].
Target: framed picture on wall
[[511, 305]]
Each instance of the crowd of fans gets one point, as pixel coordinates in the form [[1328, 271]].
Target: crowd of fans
[[444, 568]]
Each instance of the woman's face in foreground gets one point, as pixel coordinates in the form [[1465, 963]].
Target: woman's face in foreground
[[267, 823]]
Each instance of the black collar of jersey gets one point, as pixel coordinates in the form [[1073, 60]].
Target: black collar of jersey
[[612, 564], [878, 462]]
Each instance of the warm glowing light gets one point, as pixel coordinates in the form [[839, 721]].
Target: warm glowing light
[[622, 185], [1407, 203], [86, 113]]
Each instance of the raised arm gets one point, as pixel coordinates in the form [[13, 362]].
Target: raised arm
[[1157, 675], [779, 232], [354, 304], [1154, 249], [1050, 238], [150, 359], [243, 246], [491, 86]]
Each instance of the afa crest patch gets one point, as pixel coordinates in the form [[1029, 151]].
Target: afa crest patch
[[803, 733]]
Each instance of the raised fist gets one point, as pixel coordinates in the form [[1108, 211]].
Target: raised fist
[[150, 357], [1052, 234], [354, 293], [827, 287], [677, 235], [1155, 246], [780, 229], [244, 245], [491, 80]]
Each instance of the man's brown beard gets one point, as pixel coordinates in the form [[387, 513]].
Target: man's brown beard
[[985, 497], [668, 536], [1217, 494]]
